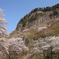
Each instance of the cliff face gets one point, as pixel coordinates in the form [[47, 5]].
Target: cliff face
[[38, 16]]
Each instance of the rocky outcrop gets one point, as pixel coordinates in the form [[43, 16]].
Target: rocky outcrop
[[41, 28], [38, 16]]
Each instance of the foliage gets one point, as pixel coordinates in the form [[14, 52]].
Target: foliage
[[41, 14], [3, 30], [48, 47], [35, 10], [34, 17], [55, 12], [17, 48], [56, 6], [24, 21], [46, 9]]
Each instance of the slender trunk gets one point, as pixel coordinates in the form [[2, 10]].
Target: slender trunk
[[51, 54], [44, 55], [58, 55], [47, 56]]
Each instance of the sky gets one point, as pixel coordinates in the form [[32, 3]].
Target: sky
[[14, 10]]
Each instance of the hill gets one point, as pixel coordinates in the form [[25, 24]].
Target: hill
[[39, 17]]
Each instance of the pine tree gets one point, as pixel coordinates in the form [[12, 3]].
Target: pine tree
[[3, 22]]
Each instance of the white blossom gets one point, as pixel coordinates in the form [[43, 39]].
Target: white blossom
[[17, 44], [3, 30], [47, 43]]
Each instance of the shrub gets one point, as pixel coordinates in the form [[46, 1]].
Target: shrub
[[36, 9], [55, 12], [24, 23], [41, 14], [47, 9], [56, 6], [33, 18]]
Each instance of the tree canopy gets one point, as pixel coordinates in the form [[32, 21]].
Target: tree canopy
[[3, 30]]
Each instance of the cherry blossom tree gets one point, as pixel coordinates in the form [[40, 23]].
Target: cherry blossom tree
[[17, 47], [3, 30], [47, 46]]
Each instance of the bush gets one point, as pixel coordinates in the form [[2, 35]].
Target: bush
[[24, 20], [33, 18], [47, 9], [56, 6], [36, 9], [24, 23], [55, 12], [41, 14]]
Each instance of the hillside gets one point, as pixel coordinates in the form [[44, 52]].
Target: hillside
[[39, 17], [39, 23]]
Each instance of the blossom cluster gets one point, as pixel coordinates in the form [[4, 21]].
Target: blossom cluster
[[45, 44], [3, 30], [18, 45]]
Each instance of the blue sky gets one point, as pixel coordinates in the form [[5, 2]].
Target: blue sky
[[16, 9]]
